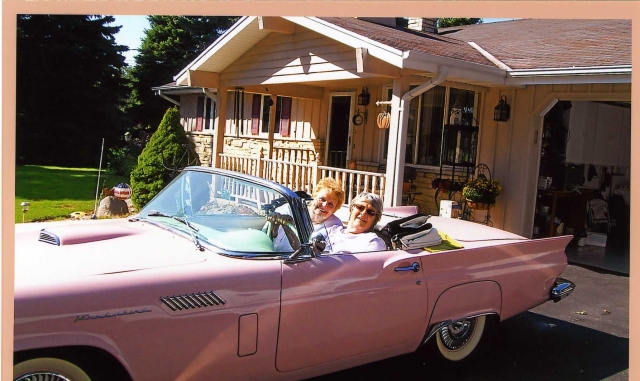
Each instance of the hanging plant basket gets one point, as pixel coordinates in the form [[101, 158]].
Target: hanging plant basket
[[383, 120], [476, 205]]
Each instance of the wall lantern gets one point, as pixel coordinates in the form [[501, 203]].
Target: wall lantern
[[363, 97], [502, 110]]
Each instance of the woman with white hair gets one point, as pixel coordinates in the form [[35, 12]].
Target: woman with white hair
[[365, 210]]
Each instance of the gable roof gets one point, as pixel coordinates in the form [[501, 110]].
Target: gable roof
[[409, 40], [519, 52], [537, 44]]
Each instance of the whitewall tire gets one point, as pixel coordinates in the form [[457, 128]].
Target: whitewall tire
[[47, 368], [458, 340]]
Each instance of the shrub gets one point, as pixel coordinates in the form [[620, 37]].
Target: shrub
[[122, 160], [168, 151]]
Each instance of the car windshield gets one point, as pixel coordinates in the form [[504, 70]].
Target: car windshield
[[235, 215]]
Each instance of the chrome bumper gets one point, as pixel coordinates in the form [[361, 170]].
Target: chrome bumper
[[561, 289]]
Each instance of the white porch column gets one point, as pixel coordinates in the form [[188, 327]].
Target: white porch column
[[396, 151], [220, 126]]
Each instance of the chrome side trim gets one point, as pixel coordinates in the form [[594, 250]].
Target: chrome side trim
[[561, 289]]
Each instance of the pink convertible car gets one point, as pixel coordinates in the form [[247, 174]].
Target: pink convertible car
[[192, 288]]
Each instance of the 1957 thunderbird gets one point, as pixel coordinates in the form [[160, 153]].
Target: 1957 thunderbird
[[193, 288]]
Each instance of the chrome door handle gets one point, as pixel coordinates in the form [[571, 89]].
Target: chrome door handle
[[415, 267]]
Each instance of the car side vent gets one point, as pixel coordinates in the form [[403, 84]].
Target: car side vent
[[193, 301], [49, 237]]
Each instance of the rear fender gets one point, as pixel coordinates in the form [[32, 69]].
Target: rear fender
[[470, 299]]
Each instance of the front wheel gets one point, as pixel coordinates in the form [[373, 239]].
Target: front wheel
[[458, 340], [50, 369]]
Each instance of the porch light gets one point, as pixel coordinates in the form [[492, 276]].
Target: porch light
[[502, 110], [363, 97]]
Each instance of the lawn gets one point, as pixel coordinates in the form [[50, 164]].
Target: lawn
[[56, 192]]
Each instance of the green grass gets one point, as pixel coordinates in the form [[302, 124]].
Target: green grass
[[56, 192]]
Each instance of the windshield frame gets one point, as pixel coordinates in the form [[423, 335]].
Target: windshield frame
[[297, 204]]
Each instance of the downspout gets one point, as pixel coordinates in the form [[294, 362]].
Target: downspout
[[403, 118]]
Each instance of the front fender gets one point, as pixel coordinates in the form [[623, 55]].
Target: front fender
[[64, 339]]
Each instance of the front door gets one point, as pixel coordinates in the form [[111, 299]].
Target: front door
[[343, 305], [339, 135]]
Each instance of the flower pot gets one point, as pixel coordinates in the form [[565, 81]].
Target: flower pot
[[406, 186], [477, 205]]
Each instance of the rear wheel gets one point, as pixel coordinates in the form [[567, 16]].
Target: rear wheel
[[49, 369], [458, 340]]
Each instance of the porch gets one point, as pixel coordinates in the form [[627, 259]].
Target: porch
[[301, 176]]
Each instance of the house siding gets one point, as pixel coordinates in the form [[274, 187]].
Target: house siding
[[286, 58]]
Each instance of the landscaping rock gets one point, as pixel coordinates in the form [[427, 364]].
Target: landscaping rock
[[111, 206]]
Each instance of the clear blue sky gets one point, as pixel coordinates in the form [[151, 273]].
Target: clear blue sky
[[130, 34], [133, 27]]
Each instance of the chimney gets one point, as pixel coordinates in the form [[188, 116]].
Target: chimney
[[423, 24]]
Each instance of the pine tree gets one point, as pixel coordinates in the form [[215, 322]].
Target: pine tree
[[70, 89], [167, 151], [169, 45], [447, 22]]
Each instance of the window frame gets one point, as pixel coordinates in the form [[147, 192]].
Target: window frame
[[414, 159]]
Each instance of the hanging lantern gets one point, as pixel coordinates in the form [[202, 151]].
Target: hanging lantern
[[363, 97], [502, 110], [122, 191]]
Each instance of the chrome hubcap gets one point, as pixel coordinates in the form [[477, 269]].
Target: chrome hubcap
[[457, 335], [42, 376]]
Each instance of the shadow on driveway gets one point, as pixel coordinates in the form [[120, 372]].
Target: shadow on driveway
[[529, 346]]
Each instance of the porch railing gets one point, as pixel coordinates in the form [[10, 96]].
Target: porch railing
[[300, 176]]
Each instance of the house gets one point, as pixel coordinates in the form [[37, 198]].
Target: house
[[286, 98]]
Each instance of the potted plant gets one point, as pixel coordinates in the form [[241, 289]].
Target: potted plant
[[481, 193], [410, 174]]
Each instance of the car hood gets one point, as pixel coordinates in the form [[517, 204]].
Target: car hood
[[96, 247]]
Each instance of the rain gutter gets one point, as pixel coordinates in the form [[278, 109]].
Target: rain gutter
[[395, 178]]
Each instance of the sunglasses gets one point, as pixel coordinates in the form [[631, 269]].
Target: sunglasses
[[361, 208]]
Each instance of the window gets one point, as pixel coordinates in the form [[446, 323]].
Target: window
[[427, 118], [204, 114], [209, 113], [261, 115]]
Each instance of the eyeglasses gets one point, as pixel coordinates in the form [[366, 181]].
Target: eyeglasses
[[361, 208]]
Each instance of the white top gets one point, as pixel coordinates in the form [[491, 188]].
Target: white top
[[341, 241], [281, 243]]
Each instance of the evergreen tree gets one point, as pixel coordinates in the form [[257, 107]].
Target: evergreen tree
[[70, 89], [447, 22], [168, 151], [171, 42]]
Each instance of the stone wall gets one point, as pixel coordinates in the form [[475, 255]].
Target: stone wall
[[203, 146]]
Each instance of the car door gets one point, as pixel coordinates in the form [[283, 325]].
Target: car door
[[337, 306]]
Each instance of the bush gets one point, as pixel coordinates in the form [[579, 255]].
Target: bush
[[168, 151], [122, 160]]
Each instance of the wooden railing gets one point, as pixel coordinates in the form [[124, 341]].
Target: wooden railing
[[354, 182], [299, 176]]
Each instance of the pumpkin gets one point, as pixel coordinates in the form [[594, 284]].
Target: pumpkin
[[384, 120]]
